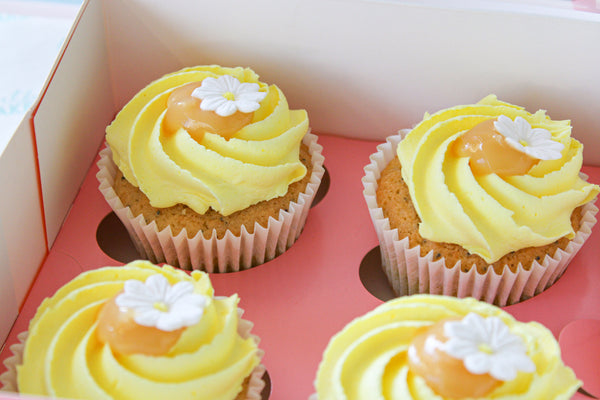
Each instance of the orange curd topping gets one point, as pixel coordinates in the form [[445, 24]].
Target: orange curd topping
[[117, 328], [490, 153], [443, 373], [183, 110]]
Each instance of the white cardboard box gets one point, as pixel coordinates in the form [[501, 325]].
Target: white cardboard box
[[362, 69]]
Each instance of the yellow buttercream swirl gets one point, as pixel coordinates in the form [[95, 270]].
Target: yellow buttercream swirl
[[63, 357], [368, 358], [489, 215], [258, 163]]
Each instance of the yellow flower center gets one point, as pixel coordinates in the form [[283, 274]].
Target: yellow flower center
[[229, 96], [160, 306], [485, 348], [523, 143]]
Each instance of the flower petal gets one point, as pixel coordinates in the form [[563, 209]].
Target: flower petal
[[147, 317], [213, 84], [249, 87], [187, 314], [459, 329], [502, 369], [158, 286], [253, 96], [226, 109], [515, 144], [460, 349], [246, 106], [523, 363], [202, 93], [550, 150], [169, 322], [478, 363], [135, 294], [135, 288], [539, 135], [178, 291], [212, 103], [506, 127], [229, 83], [522, 128]]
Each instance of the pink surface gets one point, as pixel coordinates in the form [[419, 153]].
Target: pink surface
[[303, 297], [580, 341]]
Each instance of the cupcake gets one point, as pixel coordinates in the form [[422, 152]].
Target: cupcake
[[482, 200], [440, 347], [208, 168], [139, 331]]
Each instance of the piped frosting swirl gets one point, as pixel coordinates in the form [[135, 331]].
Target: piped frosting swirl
[[368, 359], [254, 163], [63, 356], [489, 214]]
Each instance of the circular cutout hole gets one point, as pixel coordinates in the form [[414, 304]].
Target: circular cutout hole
[[372, 276], [323, 188], [113, 239], [266, 392]]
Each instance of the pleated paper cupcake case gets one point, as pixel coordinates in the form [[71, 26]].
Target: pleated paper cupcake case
[[410, 273], [231, 253]]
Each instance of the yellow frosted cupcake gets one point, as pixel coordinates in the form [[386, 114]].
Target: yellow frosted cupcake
[[208, 168], [140, 331], [438, 347], [482, 200]]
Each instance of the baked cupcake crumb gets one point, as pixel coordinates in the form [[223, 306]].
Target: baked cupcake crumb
[[181, 216], [394, 199]]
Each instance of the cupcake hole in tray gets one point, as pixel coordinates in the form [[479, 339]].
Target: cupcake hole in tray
[[323, 188], [114, 241], [266, 392], [372, 276]]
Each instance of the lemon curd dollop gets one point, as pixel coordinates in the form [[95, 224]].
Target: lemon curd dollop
[[116, 328], [184, 111], [489, 153], [369, 358], [65, 357], [491, 212], [177, 153], [445, 374]]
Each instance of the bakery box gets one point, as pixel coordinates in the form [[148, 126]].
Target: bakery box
[[362, 69]]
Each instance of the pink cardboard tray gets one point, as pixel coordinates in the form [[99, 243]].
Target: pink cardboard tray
[[303, 297]]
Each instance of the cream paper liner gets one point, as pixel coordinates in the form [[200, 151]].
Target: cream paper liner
[[231, 253], [409, 273], [256, 383]]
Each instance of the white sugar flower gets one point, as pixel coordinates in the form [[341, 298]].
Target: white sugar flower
[[226, 95], [535, 142], [487, 346], [157, 304]]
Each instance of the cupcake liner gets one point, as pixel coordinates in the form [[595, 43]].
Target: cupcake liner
[[8, 379], [410, 273], [231, 253], [255, 382]]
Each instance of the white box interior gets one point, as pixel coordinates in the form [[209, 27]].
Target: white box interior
[[361, 68]]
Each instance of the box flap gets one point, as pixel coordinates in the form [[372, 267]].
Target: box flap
[[74, 108], [22, 241]]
